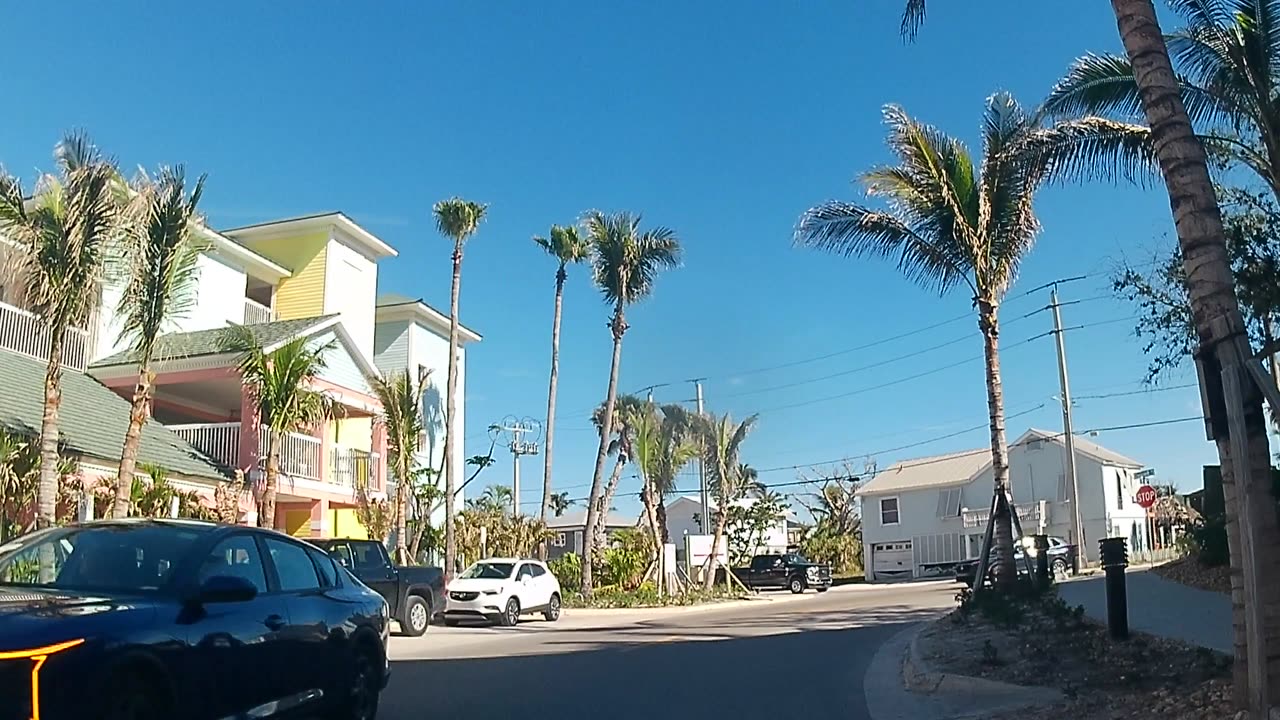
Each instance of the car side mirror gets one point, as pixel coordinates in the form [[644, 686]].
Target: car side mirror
[[225, 589]]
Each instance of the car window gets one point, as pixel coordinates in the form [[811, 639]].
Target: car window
[[487, 571], [341, 551], [237, 556], [761, 562], [293, 566], [104, 558], [537, 570], [324, 563], [525, 572], [369, 556]]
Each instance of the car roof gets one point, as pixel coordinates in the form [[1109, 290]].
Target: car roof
[[508, 560], [184, 523]]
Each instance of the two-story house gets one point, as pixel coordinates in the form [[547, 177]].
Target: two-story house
[[411, 336], [313, 277], [919, 517]]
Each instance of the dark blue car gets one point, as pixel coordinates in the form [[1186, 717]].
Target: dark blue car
[[159, 619]]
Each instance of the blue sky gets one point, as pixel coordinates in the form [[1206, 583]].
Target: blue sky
[[721, 120]]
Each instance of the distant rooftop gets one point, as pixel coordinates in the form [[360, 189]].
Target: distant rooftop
[[392, 304], [371, 242]]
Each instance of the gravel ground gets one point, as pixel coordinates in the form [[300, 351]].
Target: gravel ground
[[1050, 645], [1190, 572]]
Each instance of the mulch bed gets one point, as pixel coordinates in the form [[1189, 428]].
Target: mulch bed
[[1189, 571], [1047, 644]]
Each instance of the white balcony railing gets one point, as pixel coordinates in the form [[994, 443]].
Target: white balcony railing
[[255, 313], [220, 441], [23, 332], [299, 454], [354, 468]]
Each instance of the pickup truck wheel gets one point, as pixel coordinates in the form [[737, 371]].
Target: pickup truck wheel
[[1059, 567], [511, 614], [797, 585], [417, 616]]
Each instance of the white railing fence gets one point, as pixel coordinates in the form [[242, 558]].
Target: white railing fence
[[299, 454], [220, 441], [255, 313], [354, 468], [23, 332]]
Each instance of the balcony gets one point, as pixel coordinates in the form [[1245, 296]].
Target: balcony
[[23, 332], [300, 455], [255, 313]]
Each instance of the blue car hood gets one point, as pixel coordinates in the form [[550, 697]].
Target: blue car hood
[[31, 617]]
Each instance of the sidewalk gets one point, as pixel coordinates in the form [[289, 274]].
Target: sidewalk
[[1159, 607]]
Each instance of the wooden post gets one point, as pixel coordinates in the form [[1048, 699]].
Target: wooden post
[[980, 573], [1233, 377]]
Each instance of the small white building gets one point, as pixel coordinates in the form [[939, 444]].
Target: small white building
[[683, 514], [921, 516]]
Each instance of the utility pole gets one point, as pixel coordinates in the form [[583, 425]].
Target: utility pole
[[519, 430], [703, 523], [649, 391], [1073, 486]]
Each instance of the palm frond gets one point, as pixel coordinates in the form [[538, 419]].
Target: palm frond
[[938, 167], [76, 151], [913, 13], [280, 381], [853, 230], [458, 219], [626, 261], [565, 244]]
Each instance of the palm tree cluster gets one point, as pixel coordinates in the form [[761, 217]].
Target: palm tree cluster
[[1227, 57]]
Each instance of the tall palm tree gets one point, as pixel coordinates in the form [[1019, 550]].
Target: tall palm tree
[[401, 400], [662, 447], [722, 440], [160, 289], [458, 220], [65, 236], [952, 224], [280, 384], [625, 264], [567, 247]]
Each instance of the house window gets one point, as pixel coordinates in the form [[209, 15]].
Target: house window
[[949, 503], [558, 541], [888, 511], [1119, 489]]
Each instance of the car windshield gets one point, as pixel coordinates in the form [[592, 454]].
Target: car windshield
[[104, 558], [487, 571]]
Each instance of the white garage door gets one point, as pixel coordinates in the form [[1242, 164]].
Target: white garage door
[[891, 561]]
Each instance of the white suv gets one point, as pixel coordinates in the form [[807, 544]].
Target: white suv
[[500, 590]]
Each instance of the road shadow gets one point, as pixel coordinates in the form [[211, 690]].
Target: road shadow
[[702, 667]]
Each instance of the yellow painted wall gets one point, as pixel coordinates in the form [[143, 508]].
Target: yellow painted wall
[[353, 433], [302, 294], [297, 523], [347, 525]]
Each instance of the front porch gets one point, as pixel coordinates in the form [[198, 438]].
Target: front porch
[[302, 457]]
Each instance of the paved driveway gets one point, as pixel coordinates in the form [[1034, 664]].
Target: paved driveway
[[765, 659]]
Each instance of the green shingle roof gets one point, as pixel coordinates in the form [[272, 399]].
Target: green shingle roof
[[175, 346], [92, 420]]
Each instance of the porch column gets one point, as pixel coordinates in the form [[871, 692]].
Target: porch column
[[379, 446], [249, 450], [321, 526]]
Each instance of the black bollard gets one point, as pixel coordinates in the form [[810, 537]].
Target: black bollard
[[1042, 561], [1115, 558]]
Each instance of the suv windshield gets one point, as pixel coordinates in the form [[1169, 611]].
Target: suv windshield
[[108, 558], [488, 571]]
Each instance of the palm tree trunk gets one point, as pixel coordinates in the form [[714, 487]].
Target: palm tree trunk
[[722, 518], [619, 326], [267, 507], [606, 502], [138, 414], [1218, 321], [450, 420], [1002, 537], [662, 518], [551, 406], [402, 506], [651, 521], [47, 489]]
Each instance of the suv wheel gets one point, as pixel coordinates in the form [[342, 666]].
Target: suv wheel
[[511, 614], [1059, 567], [417, 616], [552, 613], [797, 585]]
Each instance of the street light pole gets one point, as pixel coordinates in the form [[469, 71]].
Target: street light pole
[[703, 524]]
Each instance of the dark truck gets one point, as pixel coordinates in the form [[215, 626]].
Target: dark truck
[[414, 595], [791, 571]]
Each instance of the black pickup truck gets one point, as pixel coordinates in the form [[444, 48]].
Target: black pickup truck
[[414, 594], [791, 571]]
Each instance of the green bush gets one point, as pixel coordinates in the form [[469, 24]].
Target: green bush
[[1211, 543], [568, 570]]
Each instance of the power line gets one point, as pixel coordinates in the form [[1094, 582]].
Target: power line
[[1146, 391]]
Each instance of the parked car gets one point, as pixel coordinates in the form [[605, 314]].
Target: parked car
[[790, 570], [1062, 558], [156, 619], [500, 590], [415, 594]]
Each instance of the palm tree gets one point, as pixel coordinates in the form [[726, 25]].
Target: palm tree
[[627, 411], [567, 246], [160, 289], [722, 440], [625, 263], [951, 224], [662, 448], [280, 384], [458, 220], [560, 503], [401, 400], [64, 237]]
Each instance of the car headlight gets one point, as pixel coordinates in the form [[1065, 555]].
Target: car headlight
[[386, 610], [493, 592]]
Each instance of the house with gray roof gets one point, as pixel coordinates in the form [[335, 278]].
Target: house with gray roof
[[922, 516], [570, 527]]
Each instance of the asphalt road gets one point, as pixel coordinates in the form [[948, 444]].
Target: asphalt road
[[784, 656]]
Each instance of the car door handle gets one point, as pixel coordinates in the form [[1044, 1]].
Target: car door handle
[[274, 622]]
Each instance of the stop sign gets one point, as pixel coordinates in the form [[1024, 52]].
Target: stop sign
[[1146, 496]]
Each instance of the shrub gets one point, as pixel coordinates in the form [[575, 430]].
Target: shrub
[[1211, 542], [568, 570]]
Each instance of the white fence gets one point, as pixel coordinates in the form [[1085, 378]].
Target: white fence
[[255, 313], [299, 454], [220, 441], [354, 468], [23, 332]]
